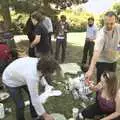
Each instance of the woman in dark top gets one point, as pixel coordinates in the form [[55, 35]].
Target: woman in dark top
[[108, 99], [41, 41], [29, 30]]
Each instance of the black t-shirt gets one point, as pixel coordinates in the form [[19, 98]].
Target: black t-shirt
[[29, 30], [43, 45]]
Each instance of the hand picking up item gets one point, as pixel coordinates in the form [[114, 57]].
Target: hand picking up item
[[49, 91], [79, 88]]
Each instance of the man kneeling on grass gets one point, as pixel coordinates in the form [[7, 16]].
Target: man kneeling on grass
[[26, 73]]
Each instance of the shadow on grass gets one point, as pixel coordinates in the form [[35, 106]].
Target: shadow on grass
[[64, 103], [73, 53]]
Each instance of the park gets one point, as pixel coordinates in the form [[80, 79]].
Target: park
[[13, 17]]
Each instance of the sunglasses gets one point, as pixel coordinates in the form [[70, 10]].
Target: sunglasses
[[106, 75]]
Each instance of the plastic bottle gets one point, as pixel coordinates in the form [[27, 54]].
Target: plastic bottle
[[2, 112], [75, 94], [8, 110]]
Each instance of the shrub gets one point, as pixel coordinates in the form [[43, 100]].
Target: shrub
[[77, 20]]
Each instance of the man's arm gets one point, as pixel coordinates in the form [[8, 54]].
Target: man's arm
[[66, 28], [37, 32], [95, 33], [95, 57], [33, 87], [50, 25], [36, 40], [99, 43], [97, 87]]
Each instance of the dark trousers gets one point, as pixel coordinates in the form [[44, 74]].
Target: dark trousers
[[60, 43], [94, 110], [31, 52], [88, 49], [16, 94], [101, 67], [50, 43]]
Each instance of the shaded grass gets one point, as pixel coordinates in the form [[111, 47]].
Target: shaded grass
[[64, 103]]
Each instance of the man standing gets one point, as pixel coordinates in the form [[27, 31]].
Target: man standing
[[41, 41], [89, 43], [61, 33], [105, 51], [49, 26], [26, 73]]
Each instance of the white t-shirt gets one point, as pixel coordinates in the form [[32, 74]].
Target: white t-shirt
[[23, 71]]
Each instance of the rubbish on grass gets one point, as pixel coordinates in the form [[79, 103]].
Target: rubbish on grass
[[4, 96], [2, 112], [75, 112], [71, 68], [58, 116], [27, 103], [78, 87], [8, 110]]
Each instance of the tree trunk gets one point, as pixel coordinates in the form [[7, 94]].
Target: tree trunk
[[46, 3], [6, 13]]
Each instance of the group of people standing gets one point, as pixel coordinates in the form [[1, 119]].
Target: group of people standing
[[40, 28], [27, 73]]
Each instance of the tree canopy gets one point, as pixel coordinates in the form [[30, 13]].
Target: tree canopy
[[28, 6]]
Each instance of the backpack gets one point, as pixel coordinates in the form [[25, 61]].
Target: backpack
[[5, 52]]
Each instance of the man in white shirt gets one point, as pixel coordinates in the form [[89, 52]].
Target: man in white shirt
[[89, 43], [27, 73]]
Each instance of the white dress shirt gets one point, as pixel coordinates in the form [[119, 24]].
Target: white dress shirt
[[91, 32], [23, 71]]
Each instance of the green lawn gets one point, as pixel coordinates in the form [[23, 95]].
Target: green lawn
[[65, 103]]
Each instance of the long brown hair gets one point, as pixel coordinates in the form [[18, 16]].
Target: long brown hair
[[112, 83]]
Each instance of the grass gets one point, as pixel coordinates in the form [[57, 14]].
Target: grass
[[64, 103]]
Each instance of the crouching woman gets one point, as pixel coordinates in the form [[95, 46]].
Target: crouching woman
[[108, 99]]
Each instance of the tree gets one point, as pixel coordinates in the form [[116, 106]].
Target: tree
[[28, 6], [116, 8], [5, 13]]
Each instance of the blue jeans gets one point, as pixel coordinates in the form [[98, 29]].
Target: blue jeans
[[16, 94]]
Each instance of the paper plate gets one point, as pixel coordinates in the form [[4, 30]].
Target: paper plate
[[55, 93], [58, 116], [4, 96]]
